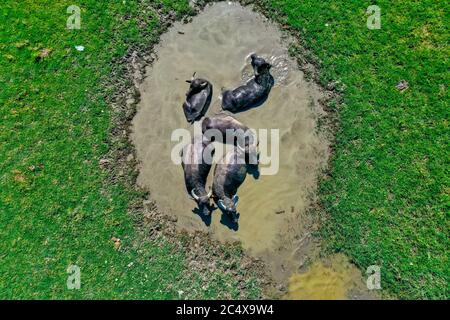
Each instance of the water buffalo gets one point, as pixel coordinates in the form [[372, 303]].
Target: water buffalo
[[254, 92], [196, 160], [198, 99], [229, 174], [234, 132]]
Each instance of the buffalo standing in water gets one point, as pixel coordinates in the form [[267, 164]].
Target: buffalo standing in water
[[232, 131], [229, 174], [196, 160], [198, 99], [254, 92]]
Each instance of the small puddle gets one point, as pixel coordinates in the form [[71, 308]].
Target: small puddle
[[273, 223], [332, 279]]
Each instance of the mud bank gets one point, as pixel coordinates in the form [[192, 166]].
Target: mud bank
[[274, 223]]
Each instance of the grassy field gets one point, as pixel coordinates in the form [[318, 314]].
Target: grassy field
[[386, 196], [57, 208]]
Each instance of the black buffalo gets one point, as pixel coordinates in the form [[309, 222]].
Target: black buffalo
[[254, 92], [229, 174], [198, 99], [196, 160], [234, 132]]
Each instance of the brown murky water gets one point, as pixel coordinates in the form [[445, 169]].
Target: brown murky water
[[273, 223]]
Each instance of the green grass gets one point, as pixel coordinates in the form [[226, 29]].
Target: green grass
[[387, 194], [57, 207]]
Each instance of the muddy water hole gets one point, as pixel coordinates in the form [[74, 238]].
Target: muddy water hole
[[274, 223]]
